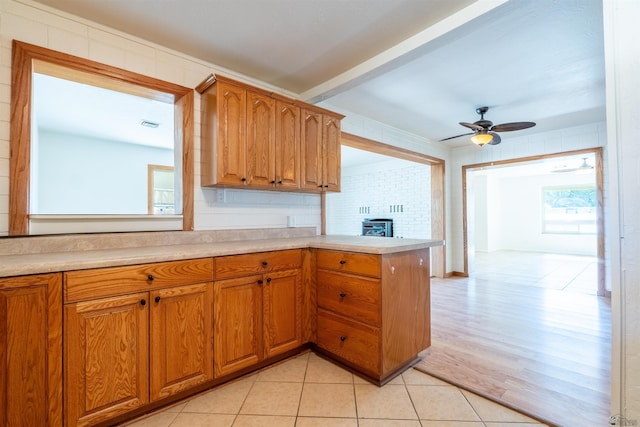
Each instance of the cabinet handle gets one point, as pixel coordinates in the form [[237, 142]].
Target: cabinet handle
[[143, 302], [150, 277], [158, 299], [343, 338], [342, 295], [343, 262], [268, 280], [260, 282], [265, 263], [326, 186]]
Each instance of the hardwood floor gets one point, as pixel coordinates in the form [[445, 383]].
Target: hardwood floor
[[535, 338]]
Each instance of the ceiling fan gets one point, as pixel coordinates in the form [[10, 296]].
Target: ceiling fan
[[484, 131]]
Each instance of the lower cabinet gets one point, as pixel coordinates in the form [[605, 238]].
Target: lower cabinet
[[373, 310], [137, 335], [257, 308], [31, 350], [122, 352]]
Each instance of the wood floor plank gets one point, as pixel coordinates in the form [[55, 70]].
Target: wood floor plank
[[536, 339]]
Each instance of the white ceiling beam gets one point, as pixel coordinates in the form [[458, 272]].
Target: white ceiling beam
[[398, 54]]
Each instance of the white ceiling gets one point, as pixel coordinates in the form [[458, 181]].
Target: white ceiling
[[418, 65]]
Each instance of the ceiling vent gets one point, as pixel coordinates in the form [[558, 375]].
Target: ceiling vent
[[149, 124]]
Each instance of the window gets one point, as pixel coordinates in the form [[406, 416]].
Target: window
[[569, 210], [35, 208]]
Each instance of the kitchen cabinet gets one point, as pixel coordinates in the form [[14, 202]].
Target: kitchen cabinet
[[31, 350], [373, 310], [252, 138], [257, 308], [320, 150], [134, 335], [224, 135]]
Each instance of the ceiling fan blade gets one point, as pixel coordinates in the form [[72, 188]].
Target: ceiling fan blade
[[496, 138], [457, 136], [507, 127], [472, 126]]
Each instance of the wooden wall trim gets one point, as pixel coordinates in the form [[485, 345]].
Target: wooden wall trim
[[24, 56], [362, 143]]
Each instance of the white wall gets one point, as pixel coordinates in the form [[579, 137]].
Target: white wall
[[510, 218], [622, 63], [118, 183], [395, 189], [34, 23]]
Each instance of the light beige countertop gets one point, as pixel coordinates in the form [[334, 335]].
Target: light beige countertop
[[34, 255]]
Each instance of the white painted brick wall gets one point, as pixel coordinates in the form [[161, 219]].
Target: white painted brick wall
[[396, 189]]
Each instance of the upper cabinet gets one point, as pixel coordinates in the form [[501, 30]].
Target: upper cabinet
[[321, 150], [255, 139]]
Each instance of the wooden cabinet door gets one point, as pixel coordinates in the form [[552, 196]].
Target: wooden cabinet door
[[31, 351], [231, 143], [106, 358], [261, 134], [287, 154], [181, 328], [331, 159], [311, 144], [237, 324], [282, 311]]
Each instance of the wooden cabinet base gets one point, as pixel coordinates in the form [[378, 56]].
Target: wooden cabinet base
[[357, 370]]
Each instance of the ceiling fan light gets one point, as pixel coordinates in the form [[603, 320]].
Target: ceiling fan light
[[481, 139]]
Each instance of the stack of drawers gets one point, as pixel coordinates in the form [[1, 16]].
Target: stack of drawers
[[349, 308]]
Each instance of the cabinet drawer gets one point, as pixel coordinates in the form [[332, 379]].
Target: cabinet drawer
[[351, 296], [354, 342], [103, 282], [349, 262], [231, 266]]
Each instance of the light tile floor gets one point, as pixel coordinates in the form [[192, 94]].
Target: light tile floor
[[309, 391]]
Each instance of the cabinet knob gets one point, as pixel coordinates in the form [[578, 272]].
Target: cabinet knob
[[260, 282], [268, 279], [243, 179], [326, 186], [280, 182], [343, 262], [265, 263], [158, 299], [150, 277], [342, 295], [143, 302], [273, 182], [343, 338], [320, 186]]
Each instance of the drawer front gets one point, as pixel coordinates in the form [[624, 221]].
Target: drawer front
[[104, 282], [354, 342], [349, 262], [228, 267], [352, 296]]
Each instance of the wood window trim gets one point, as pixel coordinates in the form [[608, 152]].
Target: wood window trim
[[24, 58], [600, 244], [438, 222]]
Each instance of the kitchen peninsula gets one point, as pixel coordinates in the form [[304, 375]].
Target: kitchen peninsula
[[150, 318]]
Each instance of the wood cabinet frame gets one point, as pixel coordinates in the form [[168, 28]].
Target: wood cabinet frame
[[31, 350], [23, 57]]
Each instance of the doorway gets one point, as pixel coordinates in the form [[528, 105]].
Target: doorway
[[556, 221], [437, 186]]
